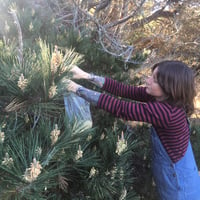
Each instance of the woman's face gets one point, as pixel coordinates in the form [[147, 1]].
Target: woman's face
[[153, 88]]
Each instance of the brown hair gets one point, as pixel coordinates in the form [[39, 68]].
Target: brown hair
[[177, 81]]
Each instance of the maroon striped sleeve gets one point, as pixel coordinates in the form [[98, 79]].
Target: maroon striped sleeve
[[145, 112], [126, 91]]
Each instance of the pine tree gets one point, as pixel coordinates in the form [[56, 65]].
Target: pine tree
[[42, 155]]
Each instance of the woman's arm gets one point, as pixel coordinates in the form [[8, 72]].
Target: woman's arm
[[89, 95], [78, 73], [112, 86], [152, 112], [136, 93]]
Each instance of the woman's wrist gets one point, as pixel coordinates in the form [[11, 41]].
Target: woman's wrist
[[97, 80], [89, 95]]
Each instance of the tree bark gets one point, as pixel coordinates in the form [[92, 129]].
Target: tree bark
[[158, 14]]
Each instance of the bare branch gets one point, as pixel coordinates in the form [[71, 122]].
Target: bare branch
[[102, 5], [126, 18], [154, 16]]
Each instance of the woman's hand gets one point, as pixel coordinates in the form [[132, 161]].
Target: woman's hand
[[78, 73], [72, 86]]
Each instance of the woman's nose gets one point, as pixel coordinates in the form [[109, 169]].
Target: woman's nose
[[144, 78]]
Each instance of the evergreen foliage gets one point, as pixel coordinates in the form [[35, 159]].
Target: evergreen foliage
[[43, 156], [36, 84], [34, 167]]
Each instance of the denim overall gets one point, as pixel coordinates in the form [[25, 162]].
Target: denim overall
[[174, 181]]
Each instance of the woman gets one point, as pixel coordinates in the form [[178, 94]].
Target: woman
[[165, 102]]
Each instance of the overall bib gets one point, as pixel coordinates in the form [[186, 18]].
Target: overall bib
[[174, 181]]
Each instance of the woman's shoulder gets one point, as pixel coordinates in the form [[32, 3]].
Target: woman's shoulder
[[170, 115], [165, 107]]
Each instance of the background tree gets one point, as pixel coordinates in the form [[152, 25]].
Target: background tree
[[124, 28]]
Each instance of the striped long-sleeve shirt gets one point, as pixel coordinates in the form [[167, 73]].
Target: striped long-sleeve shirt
[[169, 122]]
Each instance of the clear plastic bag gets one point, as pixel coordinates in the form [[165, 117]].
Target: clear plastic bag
[[78, 112]]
